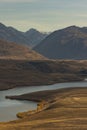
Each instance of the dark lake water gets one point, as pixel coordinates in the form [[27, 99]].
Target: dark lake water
[[9, 108]]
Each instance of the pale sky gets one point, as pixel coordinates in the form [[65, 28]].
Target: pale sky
[[44, 15]]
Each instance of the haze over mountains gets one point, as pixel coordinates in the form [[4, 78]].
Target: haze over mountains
[[67, 43], [31, 38]]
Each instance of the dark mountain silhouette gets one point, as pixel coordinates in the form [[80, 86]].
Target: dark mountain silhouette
[[67, 43], [11, 34], [10, 50], [30, 38], [35, 37]]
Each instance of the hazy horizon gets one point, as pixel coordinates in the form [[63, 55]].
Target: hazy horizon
[[41, 30], [47, 15]]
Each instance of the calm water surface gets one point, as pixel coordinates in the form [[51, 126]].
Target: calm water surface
[[9, 108]]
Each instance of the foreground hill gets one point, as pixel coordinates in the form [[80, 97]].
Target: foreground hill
[[17, 73], [65, 109], [9, 50], [29, 38], [68, 43]]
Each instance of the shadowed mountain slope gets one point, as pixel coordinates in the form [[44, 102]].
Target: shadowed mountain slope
[[68, 43], [30, 38], [35, 37], [12, 35]]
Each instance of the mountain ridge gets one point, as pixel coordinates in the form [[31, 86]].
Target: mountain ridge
[[67, 43], [34, 36], [11, 34]]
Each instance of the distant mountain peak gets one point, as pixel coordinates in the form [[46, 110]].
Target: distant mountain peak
[[2, 25], [67, 43], [31, 31], [30, 38], [34, 36], [73, 27]]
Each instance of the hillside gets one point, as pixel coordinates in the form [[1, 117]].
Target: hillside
[[10, 50], [65, 109], [16, 73], [67, 43], [30, 38]]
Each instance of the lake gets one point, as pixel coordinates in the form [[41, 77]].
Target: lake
[[9, 108]]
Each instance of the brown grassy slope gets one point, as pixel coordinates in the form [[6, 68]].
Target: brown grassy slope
[[15, 73], [10, 50], [67, 111]]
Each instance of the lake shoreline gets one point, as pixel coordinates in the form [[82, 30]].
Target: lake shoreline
[[50, 83], [25, 94], [66, 106], [41, 98]]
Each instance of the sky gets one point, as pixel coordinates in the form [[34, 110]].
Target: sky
[[44, 15]]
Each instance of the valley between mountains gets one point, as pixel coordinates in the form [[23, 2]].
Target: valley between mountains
[[33, 58]]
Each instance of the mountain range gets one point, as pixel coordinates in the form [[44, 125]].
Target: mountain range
[[67, 43], [30, 38]]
